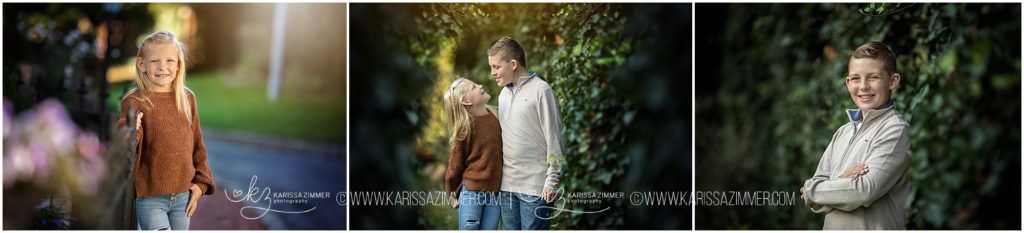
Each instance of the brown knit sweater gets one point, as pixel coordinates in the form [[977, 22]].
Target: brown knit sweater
[[477, 159], [171, 156]]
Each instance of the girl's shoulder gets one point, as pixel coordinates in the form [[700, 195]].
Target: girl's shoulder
[[189, 93], [134, 97], [492, 109], [131, 94]]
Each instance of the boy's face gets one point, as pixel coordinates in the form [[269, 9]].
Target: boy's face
[[160, 65], [869, 83], [502, 70]]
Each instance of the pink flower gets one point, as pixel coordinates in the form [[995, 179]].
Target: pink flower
[[17, 163], [91, 166], [54, 127], [91, 174], [88, 145], [44, 140], [41, 160], [8, 110]]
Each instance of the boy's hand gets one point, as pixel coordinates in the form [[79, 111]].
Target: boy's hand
[[806, 202], [550, 195], [855, 171]]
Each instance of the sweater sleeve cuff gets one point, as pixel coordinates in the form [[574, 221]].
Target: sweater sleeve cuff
[[551, 182], [203, 187]]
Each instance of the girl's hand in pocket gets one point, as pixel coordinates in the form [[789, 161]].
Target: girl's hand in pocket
[[194, 201]]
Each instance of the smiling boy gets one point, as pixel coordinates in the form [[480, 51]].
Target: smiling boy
[[531, 137], [875, 138]]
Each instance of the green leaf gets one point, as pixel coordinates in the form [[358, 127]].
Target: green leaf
[[577, 49], [628, 117], [1006, 81]]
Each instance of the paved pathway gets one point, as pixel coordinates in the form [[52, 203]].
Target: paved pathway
[[285, 170]]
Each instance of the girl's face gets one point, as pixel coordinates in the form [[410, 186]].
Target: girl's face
[[475, 94], [160, 64]]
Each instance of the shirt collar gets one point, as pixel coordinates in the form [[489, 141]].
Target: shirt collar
[[521, 80], [856, 114]]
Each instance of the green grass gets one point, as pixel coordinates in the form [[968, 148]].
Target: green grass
[[245, 106]]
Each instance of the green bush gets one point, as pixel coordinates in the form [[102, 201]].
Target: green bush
[[386, 83]]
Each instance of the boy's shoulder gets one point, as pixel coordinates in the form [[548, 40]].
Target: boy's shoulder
[[894, 118], [541, 85]]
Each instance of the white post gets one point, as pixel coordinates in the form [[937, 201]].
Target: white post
[[276, 51]]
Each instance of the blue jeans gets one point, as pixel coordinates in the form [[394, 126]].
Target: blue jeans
[[478, 210], [522, 212], [163, 212]]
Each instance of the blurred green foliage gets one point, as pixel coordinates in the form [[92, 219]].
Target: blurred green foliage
[[581, 49], [658, 141], [771, 92], [384, 113]]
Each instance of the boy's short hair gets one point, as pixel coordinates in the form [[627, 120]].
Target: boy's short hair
[[877, 51], [509, 50]]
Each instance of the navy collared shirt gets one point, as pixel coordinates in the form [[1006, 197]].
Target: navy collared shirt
[[856, 115], [511, 87]]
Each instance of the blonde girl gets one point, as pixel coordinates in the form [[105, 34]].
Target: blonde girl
[[474, 162], [171, 171]]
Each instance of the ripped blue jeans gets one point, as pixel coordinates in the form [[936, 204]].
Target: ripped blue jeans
[[478, 210], [163, 212]]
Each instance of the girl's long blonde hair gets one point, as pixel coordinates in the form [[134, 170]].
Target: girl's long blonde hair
[[143, 83], [456, 116]]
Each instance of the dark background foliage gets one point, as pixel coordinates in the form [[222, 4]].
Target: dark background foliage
[[51, 52], [771, 91]]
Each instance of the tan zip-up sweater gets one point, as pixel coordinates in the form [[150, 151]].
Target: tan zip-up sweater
[[875, 200], [531, 136]]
